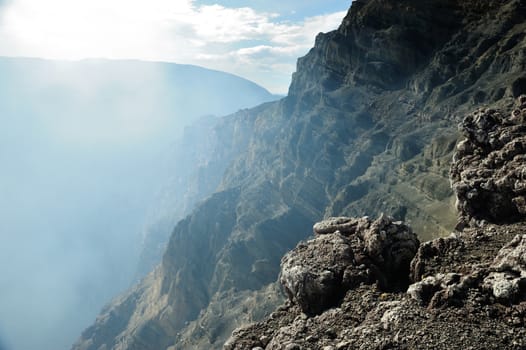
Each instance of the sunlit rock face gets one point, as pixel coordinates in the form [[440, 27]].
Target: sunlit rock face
[[369, 126]]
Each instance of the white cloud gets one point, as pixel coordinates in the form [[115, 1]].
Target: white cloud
[[304, 33], [216, 23], [165, 30]]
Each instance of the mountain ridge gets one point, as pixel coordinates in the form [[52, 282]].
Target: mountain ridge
[[338, 144], [86, 147], [370, 284]]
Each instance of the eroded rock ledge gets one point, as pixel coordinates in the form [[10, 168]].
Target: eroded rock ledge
[[363, 284]]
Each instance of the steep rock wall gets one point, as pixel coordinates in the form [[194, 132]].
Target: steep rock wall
[[369, 126], [468, 290]]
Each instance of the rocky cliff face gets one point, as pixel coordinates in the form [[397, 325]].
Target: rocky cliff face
[[487, 172], [198, 171], [369, 126], [467, 290]]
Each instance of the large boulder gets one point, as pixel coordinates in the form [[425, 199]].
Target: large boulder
[[345, 253], [313, 273]]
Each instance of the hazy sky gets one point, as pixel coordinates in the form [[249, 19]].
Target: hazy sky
[[87, 151], [257, 39]]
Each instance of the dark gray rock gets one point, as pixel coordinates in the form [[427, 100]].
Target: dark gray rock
[[391, 245], [488, 173], [503, 281], [313, 273], [343, 224], [454, 308], [318, 273], [351, 139], [430, 250]]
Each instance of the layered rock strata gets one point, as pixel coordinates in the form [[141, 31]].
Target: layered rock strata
[[369, 126], [468, 290]]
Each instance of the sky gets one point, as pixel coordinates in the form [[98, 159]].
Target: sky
[[257, 39]]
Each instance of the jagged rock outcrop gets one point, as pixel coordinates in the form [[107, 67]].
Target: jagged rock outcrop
[[473, 279], [453, 308], [500, 281], [469, 289], [507, 277], [487, 179], [314, 273], [318, 273], [369, 126], [488, 173]]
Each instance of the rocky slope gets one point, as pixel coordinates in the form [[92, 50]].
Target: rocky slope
[[458, 306], [369, 126], [347, 286], [197, 172]]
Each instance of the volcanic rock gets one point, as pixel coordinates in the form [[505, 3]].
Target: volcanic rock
[[488, 173], [507, 279], [313, 273], [466, 287], [318, 273], [459, 305], [369, 126]]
